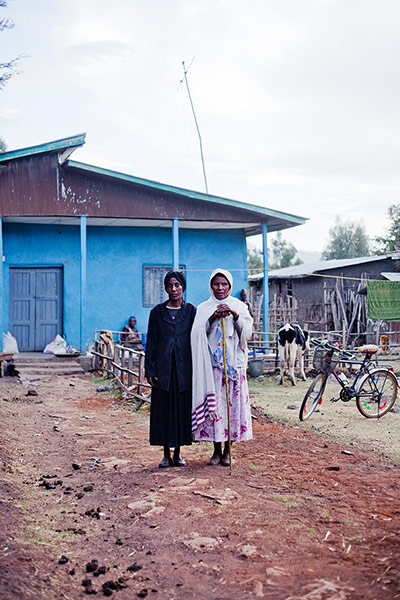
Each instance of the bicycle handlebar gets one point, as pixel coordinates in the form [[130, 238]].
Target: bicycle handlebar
[[343, 353]]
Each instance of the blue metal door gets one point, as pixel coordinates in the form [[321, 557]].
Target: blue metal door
[[35, 306]]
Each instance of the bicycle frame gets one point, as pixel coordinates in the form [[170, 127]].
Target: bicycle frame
[[364, 369], [369, 387]]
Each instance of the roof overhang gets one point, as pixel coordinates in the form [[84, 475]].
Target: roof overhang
[[68, 144], [391, 276], [113, 222]]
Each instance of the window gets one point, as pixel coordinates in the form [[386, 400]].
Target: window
[[153, 283]]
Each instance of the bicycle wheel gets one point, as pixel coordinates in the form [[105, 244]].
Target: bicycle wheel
[[312, 397], [377, 393]]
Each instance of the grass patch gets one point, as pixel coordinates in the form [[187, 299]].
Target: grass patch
[[286, 499], [339, 421], [100, 380]]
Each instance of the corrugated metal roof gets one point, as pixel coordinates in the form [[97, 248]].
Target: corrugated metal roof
[[276, 220], [69, 142], [317, 266], [281, 220], [391, 276]]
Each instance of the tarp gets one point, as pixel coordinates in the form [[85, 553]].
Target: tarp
[[383, 300]]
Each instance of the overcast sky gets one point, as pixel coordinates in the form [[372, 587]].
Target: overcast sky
[[297, 100]]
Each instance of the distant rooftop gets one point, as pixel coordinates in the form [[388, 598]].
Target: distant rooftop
[[318, 266], [391, 276]]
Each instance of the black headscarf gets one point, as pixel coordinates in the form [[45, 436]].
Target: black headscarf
[[179, 275]]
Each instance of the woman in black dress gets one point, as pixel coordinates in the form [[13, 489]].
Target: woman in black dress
[[168, 368]]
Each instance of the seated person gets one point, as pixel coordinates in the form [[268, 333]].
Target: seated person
[[130, 336], [243, 297]]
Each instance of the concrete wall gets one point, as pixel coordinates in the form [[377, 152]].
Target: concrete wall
[[115, 256]]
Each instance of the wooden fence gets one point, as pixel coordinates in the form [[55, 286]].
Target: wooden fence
[[264, 346], [124, 364]]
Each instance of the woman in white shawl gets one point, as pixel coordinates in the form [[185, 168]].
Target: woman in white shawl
[[209, 409]]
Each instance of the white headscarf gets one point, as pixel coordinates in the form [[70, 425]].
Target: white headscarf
[[204, 345]]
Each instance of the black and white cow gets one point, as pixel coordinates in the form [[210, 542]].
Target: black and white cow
[[292, 344]]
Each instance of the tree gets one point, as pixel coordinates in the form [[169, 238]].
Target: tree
[[347, 240], [283, 253], [7, 69], [391, 241], [3, 145], [254, 260]]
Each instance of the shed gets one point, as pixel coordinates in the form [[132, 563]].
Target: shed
[[85, 247], [311, 293]]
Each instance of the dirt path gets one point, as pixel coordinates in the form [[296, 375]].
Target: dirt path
[[297, 519]]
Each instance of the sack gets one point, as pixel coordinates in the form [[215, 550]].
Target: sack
[[10, 345], [57, 346]]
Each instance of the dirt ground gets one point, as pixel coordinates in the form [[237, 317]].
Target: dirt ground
[[339, 421], [300, 517]]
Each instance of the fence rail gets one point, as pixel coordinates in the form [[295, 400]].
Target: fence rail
[[263, 345], [124, 364]]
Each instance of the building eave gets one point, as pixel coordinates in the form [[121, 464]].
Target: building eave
[[56, 145]]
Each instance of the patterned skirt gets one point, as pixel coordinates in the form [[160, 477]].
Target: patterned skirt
[[240, 413]]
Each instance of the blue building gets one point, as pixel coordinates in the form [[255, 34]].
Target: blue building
[[84, 247]]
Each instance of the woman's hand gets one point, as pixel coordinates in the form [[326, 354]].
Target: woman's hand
[[213, 317], [225, 311], [152, 381]]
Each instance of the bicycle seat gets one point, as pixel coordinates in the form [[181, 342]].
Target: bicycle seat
[[368, 349]]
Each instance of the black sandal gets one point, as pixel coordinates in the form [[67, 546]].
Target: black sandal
[[179, 461]]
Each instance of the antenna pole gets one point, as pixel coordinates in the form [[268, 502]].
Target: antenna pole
[[197, 126]]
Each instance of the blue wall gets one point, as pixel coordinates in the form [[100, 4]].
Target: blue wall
[[44, 246], [204, 251], [115, 256]]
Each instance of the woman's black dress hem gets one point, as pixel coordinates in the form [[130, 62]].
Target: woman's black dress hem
[[170, 414]]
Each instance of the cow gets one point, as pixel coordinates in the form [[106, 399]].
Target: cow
[[292, 344]]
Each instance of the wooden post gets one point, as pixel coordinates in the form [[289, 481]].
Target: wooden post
[[141, 373], [96, 358], [109, 365], [117, 360], [130, 367], [122, 362]]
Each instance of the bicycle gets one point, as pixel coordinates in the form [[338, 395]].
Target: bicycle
[[374, 388]]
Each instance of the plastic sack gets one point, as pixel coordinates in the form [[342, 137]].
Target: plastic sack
[[57, 346], [71, 350], [10, 345]]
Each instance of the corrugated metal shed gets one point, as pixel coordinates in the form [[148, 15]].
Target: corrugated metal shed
[[318, 266]]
